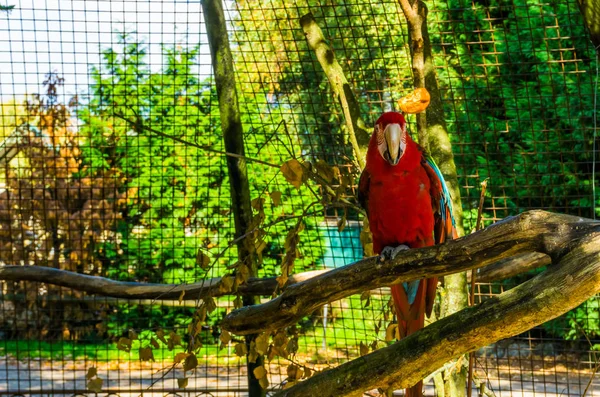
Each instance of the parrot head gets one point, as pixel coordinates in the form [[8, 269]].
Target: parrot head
[[391, 137]]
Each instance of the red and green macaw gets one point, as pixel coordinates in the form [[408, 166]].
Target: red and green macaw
[[408, 206]]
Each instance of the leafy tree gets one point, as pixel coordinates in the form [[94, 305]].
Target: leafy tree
[[374, 56], [181, 213], [171, 221], [515, 95], [161, 130], [520, 100]]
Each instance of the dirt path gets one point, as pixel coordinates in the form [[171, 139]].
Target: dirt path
[[129, 379]]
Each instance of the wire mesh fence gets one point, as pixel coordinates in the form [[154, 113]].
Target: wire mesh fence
[[110, 167]]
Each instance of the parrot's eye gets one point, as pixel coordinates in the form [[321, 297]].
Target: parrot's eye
[[391, 142]]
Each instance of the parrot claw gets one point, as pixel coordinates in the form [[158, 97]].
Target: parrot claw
[[391, 252]]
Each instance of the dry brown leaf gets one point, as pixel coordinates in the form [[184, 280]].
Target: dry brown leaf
[[202, 259], [92, 371], [225, 337], [260, 372], [124, 344], [289, 384], [364, 349], [226, 284], [95, 385], [146, 354], [390, 332], [276, 198], [262, 343], [191, 362], [179, 357], [324, 170], [240, 349], [293, 172], [264, 382]]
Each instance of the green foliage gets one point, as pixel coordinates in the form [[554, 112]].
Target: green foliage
[[374, 58], [179, 225], [183, 195], [172, 218], [519, 76], [521, 96], [579, 323]]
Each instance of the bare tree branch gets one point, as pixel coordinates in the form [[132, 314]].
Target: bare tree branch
[[133, 290], [564, 286], [531, 231]]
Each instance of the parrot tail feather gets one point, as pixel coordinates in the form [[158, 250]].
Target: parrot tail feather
[[411, 318]]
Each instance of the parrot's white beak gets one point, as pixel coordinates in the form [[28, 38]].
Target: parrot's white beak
[[394, 142]]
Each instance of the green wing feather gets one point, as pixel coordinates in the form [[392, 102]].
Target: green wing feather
[[445, 224]]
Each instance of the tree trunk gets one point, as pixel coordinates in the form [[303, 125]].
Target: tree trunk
[[590, 10], [434, 138], [358, 133], [231, 126]]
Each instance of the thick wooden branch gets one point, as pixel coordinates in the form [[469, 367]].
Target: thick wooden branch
[[415, 15], [538, 231], [590, 10], [511, 267], [572, 280], [132, 290], [358, 133]]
